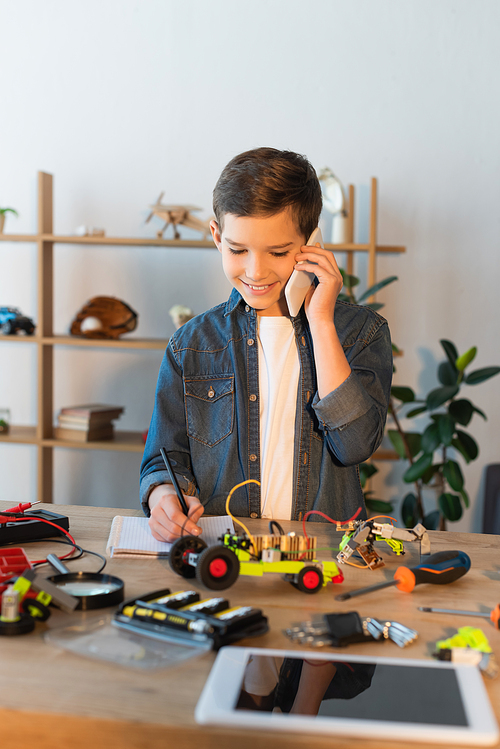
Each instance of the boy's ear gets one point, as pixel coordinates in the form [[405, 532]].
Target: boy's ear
[[216, 234]]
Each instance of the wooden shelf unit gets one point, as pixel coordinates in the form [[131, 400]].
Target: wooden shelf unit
[[41, 435]]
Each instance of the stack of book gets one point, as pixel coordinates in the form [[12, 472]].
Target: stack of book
[[87, 423]]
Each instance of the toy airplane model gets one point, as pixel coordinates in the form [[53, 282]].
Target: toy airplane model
[[177, 215]]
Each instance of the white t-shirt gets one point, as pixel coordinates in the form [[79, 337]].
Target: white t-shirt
[[279, 372]]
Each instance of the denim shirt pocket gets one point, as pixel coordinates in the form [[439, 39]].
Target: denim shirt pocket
[[209, 402]]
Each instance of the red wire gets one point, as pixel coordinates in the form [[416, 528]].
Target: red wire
[[330, 520], [66, 533]]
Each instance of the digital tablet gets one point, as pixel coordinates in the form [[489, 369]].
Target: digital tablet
[[383, 698]]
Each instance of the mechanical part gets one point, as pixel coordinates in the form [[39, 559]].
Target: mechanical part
[[309, 579], [339, 630], [366, 532], [179, 555], [36, 609], [217, 568]]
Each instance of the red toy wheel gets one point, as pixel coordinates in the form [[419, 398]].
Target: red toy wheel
[[218, 568], [309, 579], [180, 551]]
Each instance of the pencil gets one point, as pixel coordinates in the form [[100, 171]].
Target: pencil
[[173, 478]]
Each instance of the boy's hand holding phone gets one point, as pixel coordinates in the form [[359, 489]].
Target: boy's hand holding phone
[[167, 521], [314, 261]]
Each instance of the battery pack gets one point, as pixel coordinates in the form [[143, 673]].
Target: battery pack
[[211, 620]]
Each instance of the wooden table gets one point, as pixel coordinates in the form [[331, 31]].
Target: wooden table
[[52, 699]]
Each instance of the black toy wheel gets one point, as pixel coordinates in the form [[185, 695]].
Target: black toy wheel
[[6, 328], [179, 553], [25, 326], [36, 609], [218, 568], [309, 579]]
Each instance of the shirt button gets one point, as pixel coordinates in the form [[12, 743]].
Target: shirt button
[[250, 341], [253, 397], [253, 515], [253, 458], [247, 308], [211, 392]]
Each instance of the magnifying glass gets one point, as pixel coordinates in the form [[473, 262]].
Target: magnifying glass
[[94, 590]]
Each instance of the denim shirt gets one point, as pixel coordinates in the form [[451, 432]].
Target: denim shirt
[[206, 412]]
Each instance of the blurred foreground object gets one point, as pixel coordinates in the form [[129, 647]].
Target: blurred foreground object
[[12, 321]]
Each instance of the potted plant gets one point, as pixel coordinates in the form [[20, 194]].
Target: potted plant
[[3, 212]]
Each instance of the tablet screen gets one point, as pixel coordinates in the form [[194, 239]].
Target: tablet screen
[[343, 689]]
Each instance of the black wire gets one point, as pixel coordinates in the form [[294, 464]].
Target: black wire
[[66, 542]]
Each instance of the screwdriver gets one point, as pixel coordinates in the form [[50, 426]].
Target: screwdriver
[[438, 569], [494, 615]]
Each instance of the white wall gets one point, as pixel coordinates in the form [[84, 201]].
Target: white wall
[[121, 99]]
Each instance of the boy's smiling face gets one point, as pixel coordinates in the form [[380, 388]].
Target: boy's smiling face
[[258, 257]]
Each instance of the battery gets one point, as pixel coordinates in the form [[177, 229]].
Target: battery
[[208, 606], [239, 618]]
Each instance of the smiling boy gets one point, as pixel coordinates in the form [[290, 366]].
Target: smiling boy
[[247, 392]]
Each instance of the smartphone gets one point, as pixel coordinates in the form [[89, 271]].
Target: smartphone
[[300, 281]]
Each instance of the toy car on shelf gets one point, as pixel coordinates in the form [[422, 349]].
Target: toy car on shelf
[[12, 322], [218, 567]]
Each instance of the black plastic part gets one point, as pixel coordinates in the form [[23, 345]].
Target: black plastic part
[[346, 628], [32, 528], [275, 524], [23, 626], [178, 551], [209, 557], [35, 609], [307, 570]]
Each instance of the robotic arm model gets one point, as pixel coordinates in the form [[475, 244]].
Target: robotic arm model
[[362, 534]]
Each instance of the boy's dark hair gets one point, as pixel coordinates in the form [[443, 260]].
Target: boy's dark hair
[[265, 181]]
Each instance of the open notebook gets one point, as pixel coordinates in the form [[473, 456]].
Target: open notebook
[[131, 536]]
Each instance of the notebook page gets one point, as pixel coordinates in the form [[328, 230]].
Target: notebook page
[[131, 536]]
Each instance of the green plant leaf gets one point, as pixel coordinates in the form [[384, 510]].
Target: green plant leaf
[[403, 394], [461, 411], [450, 506], [376, 287], [395, 349], [418, 468], [416, 412], [429, 473], [377, 505], [465, 497], [439, 396], [481, 413], [453, 475], [365, 471], [430, 438], [409, 514], [450, 350], [466, 445], [446, 428], [447, 374], [465, 359], [349, 281], [344, 298], [431, 521], [480, 375], [375, 306], [413, 439]]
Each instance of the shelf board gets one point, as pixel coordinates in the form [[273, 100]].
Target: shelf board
[[187, 243], [22, 435], [19, 338], [385, 455], [18, 237], [123, 343], [122, 441]]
